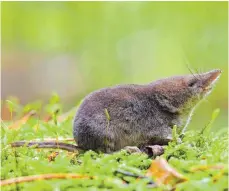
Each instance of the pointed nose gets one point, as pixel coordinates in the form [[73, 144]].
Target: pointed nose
[[214, 74], [210, 78]]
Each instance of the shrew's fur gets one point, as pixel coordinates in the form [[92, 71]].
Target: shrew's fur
[[139, 115]]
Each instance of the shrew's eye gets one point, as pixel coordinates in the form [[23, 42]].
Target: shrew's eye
[[192, 83]]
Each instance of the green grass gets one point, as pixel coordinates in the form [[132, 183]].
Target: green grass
[[197, 149]]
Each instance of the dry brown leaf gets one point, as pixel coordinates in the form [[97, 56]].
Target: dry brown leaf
[[163, 173], [218, 176], [206, 167], [47, 118], [52, 156], [22, 121]]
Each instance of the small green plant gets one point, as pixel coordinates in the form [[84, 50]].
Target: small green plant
[[200, 155], [207, 128]]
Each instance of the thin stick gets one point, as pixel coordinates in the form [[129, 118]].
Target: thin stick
[[43, 177]]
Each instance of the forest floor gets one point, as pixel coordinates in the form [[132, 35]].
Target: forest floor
[[198, 161]]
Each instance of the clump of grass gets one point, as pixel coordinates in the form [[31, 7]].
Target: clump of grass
[[199, 155]]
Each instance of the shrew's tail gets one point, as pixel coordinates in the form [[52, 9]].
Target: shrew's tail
[[47, 144]]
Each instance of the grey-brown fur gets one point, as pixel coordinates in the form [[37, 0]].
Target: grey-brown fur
[[139, 115]]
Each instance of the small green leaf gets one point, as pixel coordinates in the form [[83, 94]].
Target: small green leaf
[[207, 128], [107, 114], [54, 98], [175, 136]]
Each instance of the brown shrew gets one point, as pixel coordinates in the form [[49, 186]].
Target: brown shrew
[[139, 116]]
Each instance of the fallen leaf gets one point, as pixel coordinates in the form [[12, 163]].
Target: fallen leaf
[[218, 176], [22, 121], [52, 156], [163, 173]]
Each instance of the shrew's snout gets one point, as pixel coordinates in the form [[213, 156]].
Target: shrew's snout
[[209, 78]]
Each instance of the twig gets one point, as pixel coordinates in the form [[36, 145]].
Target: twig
[[43, 177]]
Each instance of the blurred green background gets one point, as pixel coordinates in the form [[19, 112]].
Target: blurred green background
[[73, 48]]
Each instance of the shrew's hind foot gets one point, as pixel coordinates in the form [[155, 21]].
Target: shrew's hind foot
[[132, 149], [150, 150], [153, 150]]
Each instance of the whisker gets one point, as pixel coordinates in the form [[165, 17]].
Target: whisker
[[201, 70], [187, 63], [191, 71], [198, 72]]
